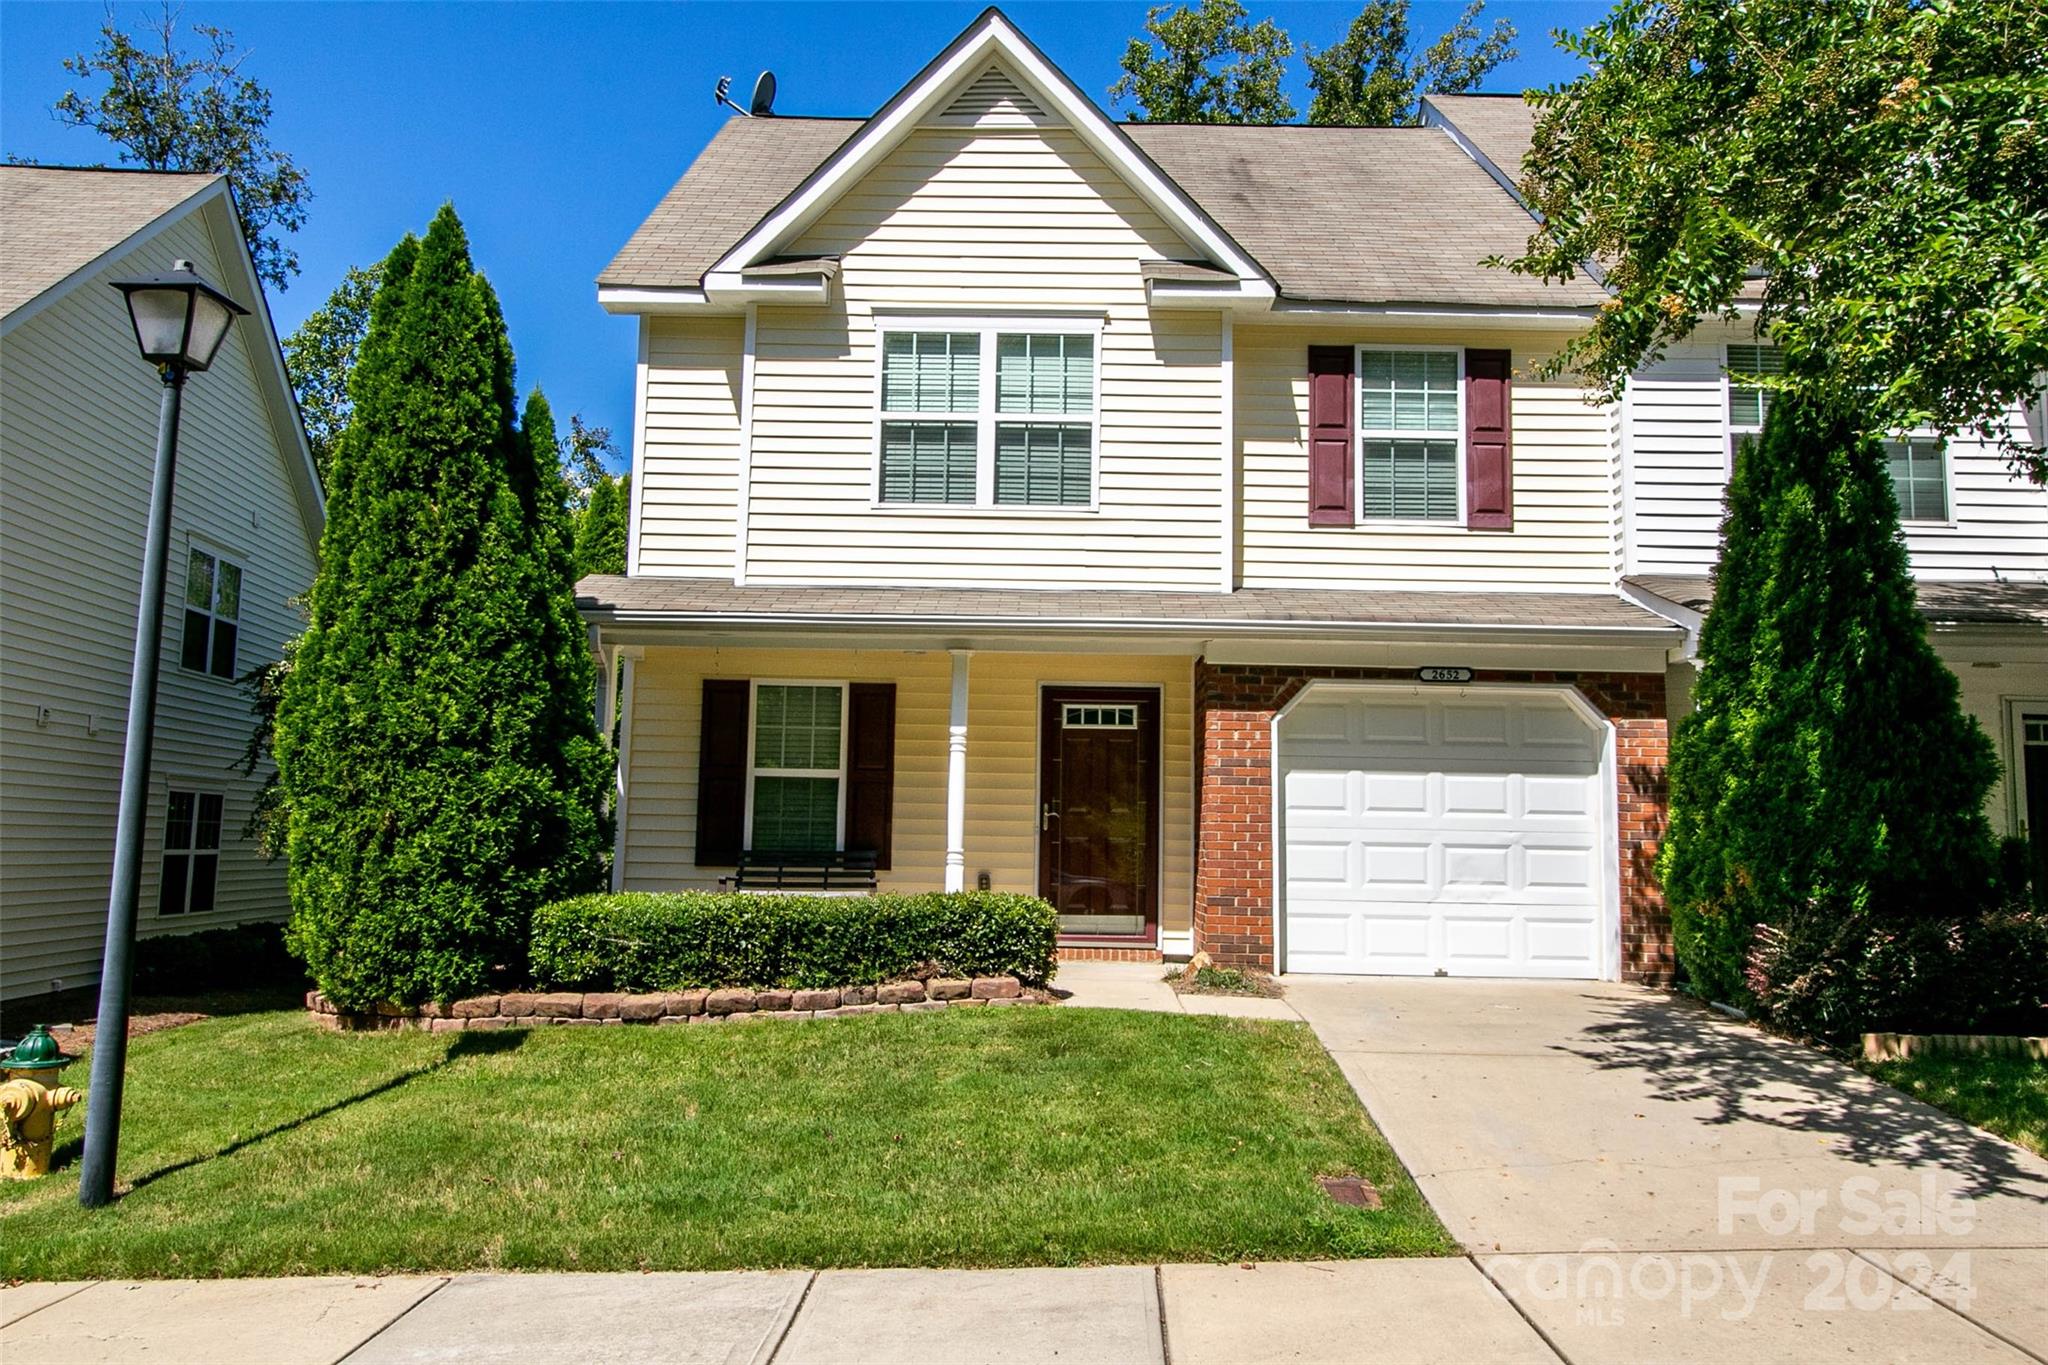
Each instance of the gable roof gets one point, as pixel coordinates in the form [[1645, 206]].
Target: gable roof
[[60, 224], [1331, 216], [747, 169], [57, 220]]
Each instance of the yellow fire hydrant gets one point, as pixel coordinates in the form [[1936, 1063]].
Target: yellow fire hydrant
[[29, 1106]]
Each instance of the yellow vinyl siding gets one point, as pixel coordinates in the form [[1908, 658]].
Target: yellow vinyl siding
[[1564, 496], [690, 463], [1002, 759], [979, 223], [77, 434]]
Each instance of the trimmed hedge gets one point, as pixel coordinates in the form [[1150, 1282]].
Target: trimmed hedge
[[658, 941]]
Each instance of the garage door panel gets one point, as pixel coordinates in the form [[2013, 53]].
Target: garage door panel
[[1461, 834]]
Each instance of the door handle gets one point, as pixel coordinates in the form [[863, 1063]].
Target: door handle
[[1046, 815]]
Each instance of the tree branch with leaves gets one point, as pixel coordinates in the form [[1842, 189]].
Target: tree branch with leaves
[[1871, 178], [1374, 78], [170, 109]]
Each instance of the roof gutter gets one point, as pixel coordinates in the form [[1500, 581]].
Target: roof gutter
[[1198, 626]]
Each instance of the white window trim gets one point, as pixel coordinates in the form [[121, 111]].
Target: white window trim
[[985, 416], [1948, 482], [754, 686], [1732, 432], [198, 792], [1359, 436], [184, 603]]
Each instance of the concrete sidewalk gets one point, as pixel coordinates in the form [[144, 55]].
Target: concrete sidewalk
[[1407, 1311], [1142, 986]]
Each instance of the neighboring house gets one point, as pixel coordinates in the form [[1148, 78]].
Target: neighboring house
[[78, 424], [1165, 520], [1976, 530]]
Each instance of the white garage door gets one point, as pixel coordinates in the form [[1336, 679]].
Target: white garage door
[[1427, 831]]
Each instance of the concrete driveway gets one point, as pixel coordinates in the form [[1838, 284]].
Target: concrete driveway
[[1646, 1179]]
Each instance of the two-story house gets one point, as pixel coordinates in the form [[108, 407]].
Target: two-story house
[[1165, 520], [1977, 531], [78, 424]]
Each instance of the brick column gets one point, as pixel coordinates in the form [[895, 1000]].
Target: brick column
[[1234, 856]]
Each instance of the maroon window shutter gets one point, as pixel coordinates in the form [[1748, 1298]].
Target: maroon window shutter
[[1489, 456], [1330, 459], [722, 773], [871, 768]]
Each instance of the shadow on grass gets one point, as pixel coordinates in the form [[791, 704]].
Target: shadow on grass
[[465, 1045], [1688, 1056]]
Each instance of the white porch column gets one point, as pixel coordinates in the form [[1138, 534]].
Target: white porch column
[[956, 778], [622, 769]]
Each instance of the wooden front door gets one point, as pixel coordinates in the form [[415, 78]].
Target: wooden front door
[[1098, 820]]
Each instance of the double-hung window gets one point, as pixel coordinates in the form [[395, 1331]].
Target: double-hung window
[[191, 867], [1918, 464], [989, 416], [213, 611], [796, 777], [1410, 434], [1919, 469], [1748, 403]]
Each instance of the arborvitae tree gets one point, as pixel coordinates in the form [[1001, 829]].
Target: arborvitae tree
[[601, 526], [1828, 767], [441, 766]]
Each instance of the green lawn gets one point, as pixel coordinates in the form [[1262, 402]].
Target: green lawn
[[2003, 1095], [260, 1145]]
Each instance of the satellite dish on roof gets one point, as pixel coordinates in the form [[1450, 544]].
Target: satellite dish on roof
[[763, 103]]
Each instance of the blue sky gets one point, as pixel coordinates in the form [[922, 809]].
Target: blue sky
[[555, 127]]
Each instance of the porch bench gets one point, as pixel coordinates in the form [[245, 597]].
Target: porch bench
[[849, 872]]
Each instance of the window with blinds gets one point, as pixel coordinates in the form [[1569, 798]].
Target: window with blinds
[[799, 767], [1919, 469], [1748, 403], [987, 417], [1410, 435]]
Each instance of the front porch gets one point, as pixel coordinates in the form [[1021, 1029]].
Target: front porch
[[1065, 775]]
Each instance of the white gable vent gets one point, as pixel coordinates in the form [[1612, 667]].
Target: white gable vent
[[993, 100]]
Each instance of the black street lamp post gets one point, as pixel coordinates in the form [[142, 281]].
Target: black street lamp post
[[180, 322]]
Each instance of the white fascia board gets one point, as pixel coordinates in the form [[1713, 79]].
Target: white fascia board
[[1684, 617], [1236, 296], [989, 36], [727, 286], [629, 299]]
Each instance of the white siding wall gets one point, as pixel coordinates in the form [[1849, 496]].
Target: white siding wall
[[688, 480], [1002, 759], [1564, 480], [1678, 467], [78, 416], [985, 222]]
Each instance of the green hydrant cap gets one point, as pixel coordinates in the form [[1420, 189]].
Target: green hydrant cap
[[37, 1051]]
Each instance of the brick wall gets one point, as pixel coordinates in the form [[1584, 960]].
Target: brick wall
[[1234, 709]]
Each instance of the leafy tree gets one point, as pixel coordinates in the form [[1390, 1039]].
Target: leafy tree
[[436, 742], [1828, 769], [321, 354], [585, 455], [601, 526], [1206, 64], [1881, 167], [1375, 78], [173, 110]]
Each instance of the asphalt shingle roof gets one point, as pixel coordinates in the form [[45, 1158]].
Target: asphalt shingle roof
[[1992, 603], [610, 595], [1500, 126], [55, 220], [1336, 215]]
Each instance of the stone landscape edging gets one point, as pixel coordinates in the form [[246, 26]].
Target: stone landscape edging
[[537, 1009]]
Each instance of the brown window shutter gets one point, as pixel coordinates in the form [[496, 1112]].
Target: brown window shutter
[[1489, 454], [722, 772], [1330, 459], [871, 768]]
